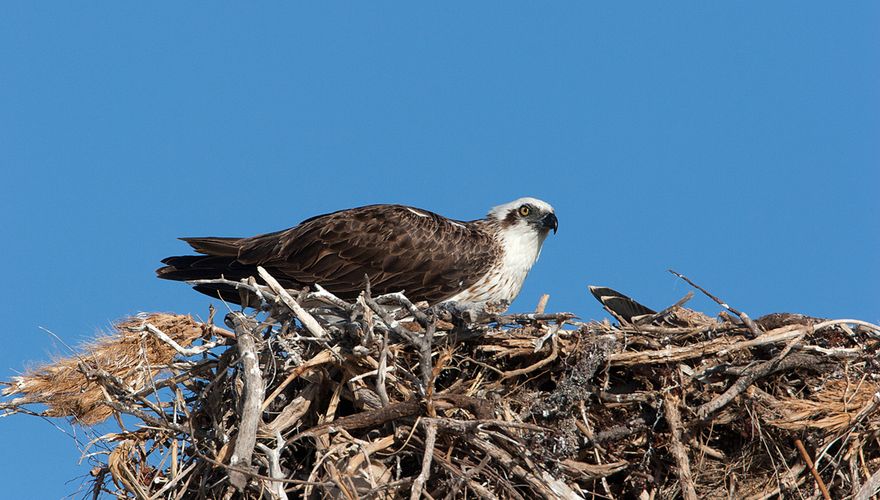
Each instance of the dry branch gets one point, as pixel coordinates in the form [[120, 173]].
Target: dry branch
[[252, 396], [679, 452]]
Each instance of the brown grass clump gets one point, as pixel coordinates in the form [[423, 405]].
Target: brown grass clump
[[382, 398], [73, 386], [831, 408]]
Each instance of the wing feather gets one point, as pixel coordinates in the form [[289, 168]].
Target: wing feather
[[430, 257]]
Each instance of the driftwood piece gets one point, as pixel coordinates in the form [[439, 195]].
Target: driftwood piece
[[679, 451], [307, 319], [870, 488], [252, 395], [425, 473]]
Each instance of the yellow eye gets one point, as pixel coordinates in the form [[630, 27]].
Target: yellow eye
[[524, 211]]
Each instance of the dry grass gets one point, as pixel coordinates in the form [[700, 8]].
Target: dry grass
[[71, 387]]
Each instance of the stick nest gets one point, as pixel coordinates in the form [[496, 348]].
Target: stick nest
[[382, 398]]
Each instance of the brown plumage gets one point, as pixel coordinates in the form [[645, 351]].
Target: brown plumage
[[397, 247]]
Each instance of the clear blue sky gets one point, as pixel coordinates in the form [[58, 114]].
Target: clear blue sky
[[736, 142]]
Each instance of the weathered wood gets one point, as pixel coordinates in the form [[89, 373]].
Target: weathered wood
[[677, 447], [252, 396]]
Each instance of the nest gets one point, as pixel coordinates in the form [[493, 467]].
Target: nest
[[313, 396]]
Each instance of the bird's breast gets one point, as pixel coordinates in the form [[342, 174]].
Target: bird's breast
[[505, 277]]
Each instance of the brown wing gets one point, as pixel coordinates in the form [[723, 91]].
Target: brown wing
[[427, 255]]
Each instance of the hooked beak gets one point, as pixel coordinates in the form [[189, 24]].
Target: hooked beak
[[550, 222]]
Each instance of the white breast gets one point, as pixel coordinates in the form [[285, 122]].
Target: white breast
[[521, 247]]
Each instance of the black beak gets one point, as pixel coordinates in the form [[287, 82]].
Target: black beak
[[550, 222]]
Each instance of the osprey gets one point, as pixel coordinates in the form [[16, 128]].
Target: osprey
[[399, 248]]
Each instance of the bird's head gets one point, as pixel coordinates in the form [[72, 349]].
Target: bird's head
[[525, 214]]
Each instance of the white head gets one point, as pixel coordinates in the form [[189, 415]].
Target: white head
[[526, 215], [520, 227], [523, 225]]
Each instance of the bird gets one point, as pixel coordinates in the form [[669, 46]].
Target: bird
[[397, 248]]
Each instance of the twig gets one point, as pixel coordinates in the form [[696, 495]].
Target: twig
[[679, 452], [273, 455], [753, 328], [323, 357], [509, 319], [545, 485], [466, 426], [184, 473], [370, 418], [554, 353], [389, 322], [400, 299], [252, 395], [257, 289], [813, 471], [382, 370], [746, 379], [426, 366], [322, 294], [542, 304], [870, 488], [430, 439], [126, 393], [183, 351], [835, 322], [307, 319], [721, 346], [647, 320], [465, 478], [370, 373]]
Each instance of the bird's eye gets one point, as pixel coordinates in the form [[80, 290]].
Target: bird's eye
[[524, 210]]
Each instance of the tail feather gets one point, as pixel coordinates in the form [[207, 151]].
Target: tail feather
[[219, 259], [219, 247], [205, 267], [201, 267]]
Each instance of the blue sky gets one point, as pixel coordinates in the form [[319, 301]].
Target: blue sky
[[736, 142]]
